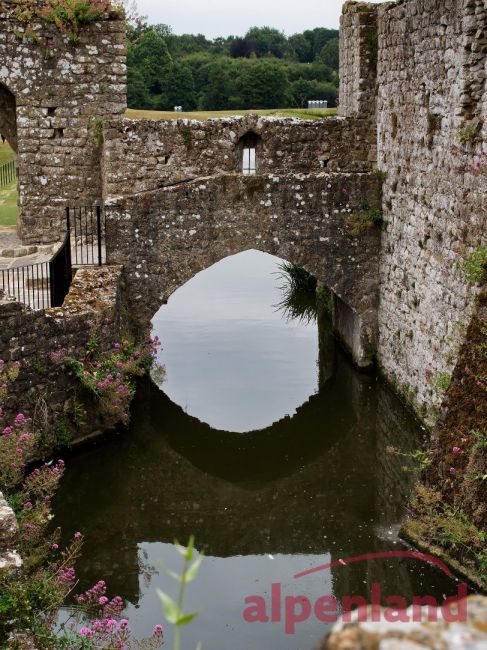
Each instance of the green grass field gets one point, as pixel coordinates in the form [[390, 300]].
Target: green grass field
[[303, 113], [8, 195]]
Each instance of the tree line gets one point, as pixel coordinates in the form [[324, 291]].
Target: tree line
[[263, 69]]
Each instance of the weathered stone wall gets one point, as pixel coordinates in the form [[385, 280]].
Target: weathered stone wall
[[166, 236], [431, 105], [358, 62], [431, 91], [141, 155], [91, 310], [62, 91]]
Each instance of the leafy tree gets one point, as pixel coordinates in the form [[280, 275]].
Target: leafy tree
[[240, 47], [302, 47], [149, 56], [218, 88], [263, 84], [265, 41], [166, 69], [178, 87], [137, 92], [318, 37], [329, 54]]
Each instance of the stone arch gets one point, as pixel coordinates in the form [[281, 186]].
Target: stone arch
[[8, 117], [164, 237]]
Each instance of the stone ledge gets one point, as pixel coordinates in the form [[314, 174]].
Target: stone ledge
[[9, 537], [414, 636]]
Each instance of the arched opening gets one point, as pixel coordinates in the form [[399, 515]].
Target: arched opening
[[248, 147], [8, 160], [241, 344]]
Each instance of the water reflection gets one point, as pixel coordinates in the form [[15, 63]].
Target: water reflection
[[307, 489], [229, 360]]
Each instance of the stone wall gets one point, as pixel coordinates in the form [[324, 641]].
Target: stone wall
[[358, 62], [62, 90], [431, 103], [9, 537], [165, 236], [141, 155], [431, 80], [91, 309]]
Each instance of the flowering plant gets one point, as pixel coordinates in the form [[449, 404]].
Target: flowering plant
[[111, 378], [479, 166], [30, 601]]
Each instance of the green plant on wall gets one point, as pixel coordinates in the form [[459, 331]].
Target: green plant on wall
[[96, 129], [68, 16], [468, 134], [475, 264], [442, 381]]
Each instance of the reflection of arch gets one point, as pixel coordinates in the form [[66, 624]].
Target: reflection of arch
[[248, 148], [8, 117], [242, 498]]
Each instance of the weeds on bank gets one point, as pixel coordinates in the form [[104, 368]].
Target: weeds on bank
[[438, 524]]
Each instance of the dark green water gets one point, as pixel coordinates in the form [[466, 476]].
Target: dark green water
[[266, 445]]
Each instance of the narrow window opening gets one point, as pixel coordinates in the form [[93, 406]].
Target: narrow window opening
[[248, 163], [51, 111], [58, 133], [249, 146]]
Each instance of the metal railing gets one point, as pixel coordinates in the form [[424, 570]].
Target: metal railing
[[87, 226], [8, 173], [40, 285]]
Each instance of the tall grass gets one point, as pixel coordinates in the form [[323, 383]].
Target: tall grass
[[298, 290]]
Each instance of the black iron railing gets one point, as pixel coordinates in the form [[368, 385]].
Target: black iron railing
[[40, 285], [7, 173], [87, 226]]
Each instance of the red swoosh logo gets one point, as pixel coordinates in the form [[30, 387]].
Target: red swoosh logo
[[374, 556]]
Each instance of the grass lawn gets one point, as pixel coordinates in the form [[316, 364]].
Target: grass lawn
[[303, 113], [6, 152], [8, 195]]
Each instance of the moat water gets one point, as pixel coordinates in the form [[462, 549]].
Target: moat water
[[263, 442]]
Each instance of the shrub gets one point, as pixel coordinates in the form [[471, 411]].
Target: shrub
[[442, 381], [474, 265]]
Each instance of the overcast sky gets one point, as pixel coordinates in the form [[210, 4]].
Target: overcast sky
[[225, 17]]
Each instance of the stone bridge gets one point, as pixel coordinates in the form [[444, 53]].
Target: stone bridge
[[309, 202], [413, 103]]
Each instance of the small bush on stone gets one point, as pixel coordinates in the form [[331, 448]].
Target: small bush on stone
[[442, 381], [69, 16], [468, 134], [475, 265]]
